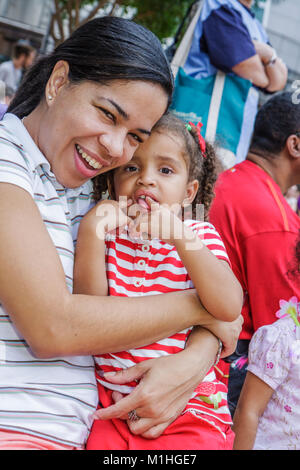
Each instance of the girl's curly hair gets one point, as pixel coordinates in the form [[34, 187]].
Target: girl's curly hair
[[294, 270], [204, 168]]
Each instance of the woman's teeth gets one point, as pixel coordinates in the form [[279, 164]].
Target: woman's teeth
[[91, 161]]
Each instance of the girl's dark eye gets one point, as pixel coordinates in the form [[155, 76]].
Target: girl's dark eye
[[166, 171], [131, 168]]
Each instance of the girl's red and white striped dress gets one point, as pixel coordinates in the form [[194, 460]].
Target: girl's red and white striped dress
[[149, 267]]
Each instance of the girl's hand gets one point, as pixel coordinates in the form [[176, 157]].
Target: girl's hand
[[109, 215], [227, 332], [160, 222]]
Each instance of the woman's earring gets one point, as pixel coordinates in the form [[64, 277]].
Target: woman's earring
[[50, 97]]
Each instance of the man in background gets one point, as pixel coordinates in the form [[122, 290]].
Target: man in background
[[258, 227], [12, 70]]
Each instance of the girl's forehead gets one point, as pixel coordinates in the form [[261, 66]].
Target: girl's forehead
[[162, 141], [168, 134], [163, 144]]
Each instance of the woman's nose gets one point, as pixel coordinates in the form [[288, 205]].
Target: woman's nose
[[114, 143]]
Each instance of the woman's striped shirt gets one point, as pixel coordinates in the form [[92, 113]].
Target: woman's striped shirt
[[52, 398], [137, 268]]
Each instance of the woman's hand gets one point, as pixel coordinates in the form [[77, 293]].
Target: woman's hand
[[162, 393], [165, 386]]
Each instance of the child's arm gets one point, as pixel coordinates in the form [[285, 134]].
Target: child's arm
[[268, 368], [216, 285], [253, 400], [89, 268], [218, 289]]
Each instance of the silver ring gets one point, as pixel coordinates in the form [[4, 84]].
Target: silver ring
[[133, 416]]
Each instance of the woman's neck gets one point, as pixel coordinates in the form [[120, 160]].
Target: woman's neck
[[32, 123]]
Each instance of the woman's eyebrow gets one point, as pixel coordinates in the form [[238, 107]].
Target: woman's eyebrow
[[118, 108], [124, 114], [143, 131]]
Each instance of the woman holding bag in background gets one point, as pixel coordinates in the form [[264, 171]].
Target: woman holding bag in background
[[228, 38]]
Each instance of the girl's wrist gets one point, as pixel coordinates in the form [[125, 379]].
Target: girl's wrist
[[188, 239]]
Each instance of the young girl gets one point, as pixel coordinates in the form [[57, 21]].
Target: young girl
[[268, 411], [155, 251]]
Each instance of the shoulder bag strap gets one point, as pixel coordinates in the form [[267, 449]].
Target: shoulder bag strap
[[214, 108], [182, 51]]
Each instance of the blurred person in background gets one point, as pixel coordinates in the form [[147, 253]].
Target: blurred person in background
[[229, 38], [258, 226], [22, 58]]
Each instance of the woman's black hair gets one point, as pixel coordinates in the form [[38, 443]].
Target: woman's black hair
[[203, 167], [276, 120], [102, 50]]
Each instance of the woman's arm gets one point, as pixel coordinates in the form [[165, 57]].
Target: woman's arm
[[56, 323], [217, 287], [253, 400]]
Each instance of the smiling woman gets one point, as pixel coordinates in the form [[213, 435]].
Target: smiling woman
[[73, 85], [104, 134], [79, 112]]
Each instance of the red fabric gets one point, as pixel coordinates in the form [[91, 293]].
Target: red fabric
[[259, 230], [222, 371], [187, 432]]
